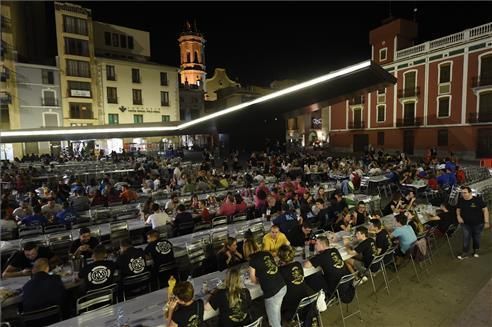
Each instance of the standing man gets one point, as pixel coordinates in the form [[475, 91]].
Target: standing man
[[473, 216]]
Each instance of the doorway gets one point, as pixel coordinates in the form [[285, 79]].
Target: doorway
[[408, 142], [484, 146], [361, 142]]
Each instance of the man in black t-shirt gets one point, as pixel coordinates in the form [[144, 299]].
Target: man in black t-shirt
[[85, 244], [264, 270], [332, 264], [363, 253], [299, 235], [473, 215], [360, 214], [383, 240], [182, 310], [160, 251], [100, 273], [43, 289], [21, 263], [131, 260]]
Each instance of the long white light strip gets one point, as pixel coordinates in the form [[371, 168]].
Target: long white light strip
[[88, 130], [321, 79]]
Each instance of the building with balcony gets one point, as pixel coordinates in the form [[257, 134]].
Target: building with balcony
[[442, 98], [76, 60], [39, 100]]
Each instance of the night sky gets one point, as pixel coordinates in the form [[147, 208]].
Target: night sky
[[259, 42]]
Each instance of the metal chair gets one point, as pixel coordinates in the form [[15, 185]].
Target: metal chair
[[239, 217], [118, 231], [30, 231], [196, 254], [113, 287], [185, 228], [389, 259], [219, 221], [98, 299], [449, 234], [137, 284], [96, 232], [347, 279], [257, 323], [41, 316], [8, 234], [302, 307], [60, 245], [48, 229], [219, 237], [202, 226], [163, 270], [377, 267]]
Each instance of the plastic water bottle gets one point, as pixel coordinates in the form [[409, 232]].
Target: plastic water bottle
[[122, 319], [307, 250]]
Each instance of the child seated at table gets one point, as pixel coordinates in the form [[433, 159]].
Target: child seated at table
[[181, 309]]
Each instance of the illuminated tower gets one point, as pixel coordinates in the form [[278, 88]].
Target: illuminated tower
[[192, 54]]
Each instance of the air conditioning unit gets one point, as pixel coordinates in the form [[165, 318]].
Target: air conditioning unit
[[381, 98], [444, 88]]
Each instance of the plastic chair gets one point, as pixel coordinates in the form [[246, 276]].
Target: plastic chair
[[301, 309], [98, 299], [41, 316]]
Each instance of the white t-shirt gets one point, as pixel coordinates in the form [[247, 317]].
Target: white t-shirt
[[158, 219]]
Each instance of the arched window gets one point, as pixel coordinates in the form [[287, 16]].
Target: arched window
[[197, 58], [188, 56]]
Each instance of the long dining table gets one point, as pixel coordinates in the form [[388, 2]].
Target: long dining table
[[179, 244], [147, 310]]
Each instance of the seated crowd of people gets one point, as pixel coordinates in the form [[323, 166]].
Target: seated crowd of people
[[295, 208]]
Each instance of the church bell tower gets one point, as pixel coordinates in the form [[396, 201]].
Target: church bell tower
[[192, 54]]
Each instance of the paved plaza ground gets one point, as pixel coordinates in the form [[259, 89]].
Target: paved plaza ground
[[455, 293]]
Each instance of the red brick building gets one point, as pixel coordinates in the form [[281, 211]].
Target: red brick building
[[442, 98]]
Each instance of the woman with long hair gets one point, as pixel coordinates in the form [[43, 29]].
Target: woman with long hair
[[229, 255], [233, 301], [250, 246]]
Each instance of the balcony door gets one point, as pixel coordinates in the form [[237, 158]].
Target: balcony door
[[485, 107], [358, 118], [486, 69], [410, 83]]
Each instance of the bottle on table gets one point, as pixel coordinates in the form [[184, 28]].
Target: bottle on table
[[122, 319]]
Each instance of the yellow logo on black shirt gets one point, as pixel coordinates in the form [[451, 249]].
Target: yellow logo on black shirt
[[337, 260], [297, 276], [270, 265]]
